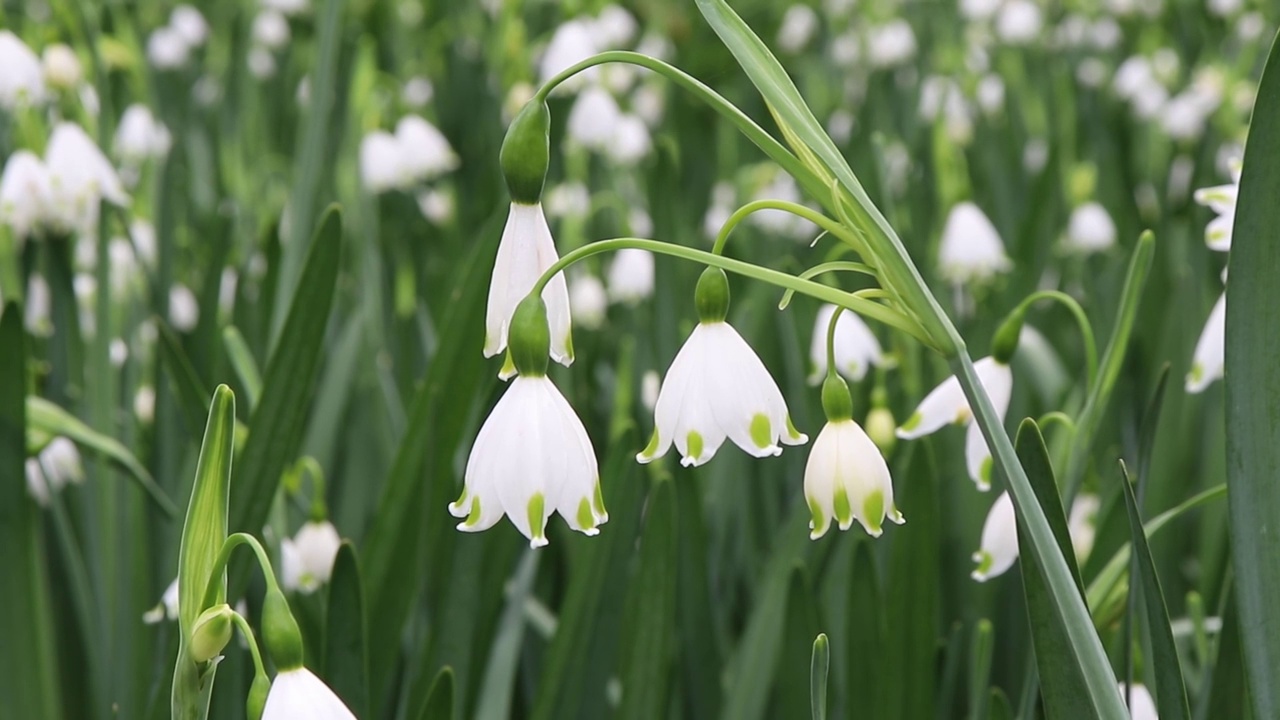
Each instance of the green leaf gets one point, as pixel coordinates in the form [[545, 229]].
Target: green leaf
[[1253, 395], [1034, 455], [865, 690], [980, 668], [346, 664], [28, 680], [187, 385], [277, 423], [1000, 709], [203, 533], [912, 598], [1227, 694], [47, 419], [245, 366], [651, 612], [792, 681], [439, 704], [818, 667], [1171, 693], [500, 673]]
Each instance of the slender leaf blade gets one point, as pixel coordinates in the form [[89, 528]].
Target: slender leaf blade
[[819, 666], [646, 659], [439, 703], [346, 661]]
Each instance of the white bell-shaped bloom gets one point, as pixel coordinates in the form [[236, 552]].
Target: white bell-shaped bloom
[[261, 63], [57, 466], [567, 200], [140, 135], [167, 49], [380, 162], [167, 608], [1090, 229], [999, 547], [1209, 361], [525, 251], [184, 309], [593, 119], [190, 25], [971, 249], [799, 24], [38, 302], [1221, 199], [25, 195], [437, 205], [290, 8], [631, 141], [417, 91], [720, 209], [991, 94], [856, 347], [588, 301], [631, 276], [614, 26], [21, 77], [718, 388], [978, 10], [297, 694], [532, 457], [80, 177], [1141, 705], [573, 42], [1082, 524], [847, 479], [1019, 22], [144, 404], [271, 30], [306, 559], [1132, 76], [891, 44], [424, 151], [61, 67]]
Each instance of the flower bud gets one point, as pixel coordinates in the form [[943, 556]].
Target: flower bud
[[881, 427], [1005, 342], [529, 337], [525, 153], [256, 702], [211, 633], [280, 632], [712, 296]]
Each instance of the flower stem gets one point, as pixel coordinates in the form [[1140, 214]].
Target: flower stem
[[796, 209], [1082, 321], [252, 640], [232, 542], [836, 266], [831, 341]]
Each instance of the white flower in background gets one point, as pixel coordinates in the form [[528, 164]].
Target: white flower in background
[[1250, 26], [1141, 705], [799, 24], [1132, 76], [167, 49], [417, 91], [593, 118], [1208, 363], [261, 63], [715, 388], [22, 78], [525, 251], [297, 694], [303, 94], [291, 8], [190, 25], [1090, 229], [61, 67], [184, 310], [782, 186], [649, 101], [846, 50], [999, 548], [1166, 64], [588, 301], [656, 45], [991, 94], [228, 281], [144, 404], [614, 26], [619, 77], [932, 92], [437, 205], [946, 404], [979, 10], [639, 223], [971, 250], [123, 267], [532, 457], [840, 125], [891, 44], [573, 42], [118, 351], [1105, 34], [1091, 72], [380, 168], [306, 559], [1082, 524], [1184, 117], [568, 200], [143, 235], [57, 466], [720, 209], [1221, 199], [630, 276], [856, 347], [837, 9], [167, 608], [1019, 22], [36, 314], [631, 141], [1225, 8], [847, 479], [271, 30], [80, 177], [207, 91], [650, 388], [424, 151], [25, 195], [140, 135]]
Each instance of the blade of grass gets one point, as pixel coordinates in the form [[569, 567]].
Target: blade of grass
[[346, 663]]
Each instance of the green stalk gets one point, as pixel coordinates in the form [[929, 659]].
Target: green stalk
[[817, 218], [1082, 320]]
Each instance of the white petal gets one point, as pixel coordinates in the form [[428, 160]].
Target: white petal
[[581, 474], [977, 457], [740, 390], [532, 461], [1082, 524], [1208, 362], [297, 694], [865, 474], [525, 251], [944, 405], [820, 480], [1217, 234], [672, 395], [856, 347], [971, 249], [999, 547], [1141, 705]]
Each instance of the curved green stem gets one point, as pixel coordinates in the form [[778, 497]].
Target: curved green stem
[[252, 640], [1082, 320], [831, 340], [827, 224], [1057, 417], [232, 542], [837, 266], [862, 306]]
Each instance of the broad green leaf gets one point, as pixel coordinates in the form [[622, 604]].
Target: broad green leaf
[[700, 652], [911, 597], [1171, 693], [980, 669], [1227, 695], [439, 704], [645, 664], [999, 704], [47, 419], [1253, 395], [245, 366], [28, 680], [1034, 455], [346, 664], [819, 666]]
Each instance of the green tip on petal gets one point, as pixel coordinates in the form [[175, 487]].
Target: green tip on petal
[[844, 510], [1197, 373], [508, 366], [984, 475], [912, 422], [873, 513], [818, 525], [694, 444], [649, 450], [537, 521], [792, 432], [473, 517], [586, 518], [984, 560], [761, 431], [598, 500]]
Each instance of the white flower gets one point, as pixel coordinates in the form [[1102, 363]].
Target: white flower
[[532, 457], [36, 317], [846, 50], [57, 466], [21, 77], [1221, 199], [1141, 705], [424, 151], [25, 195], [167, 49], [297, 693], [1208, 363], [261, 63], [650, 386], [1225, 8], [856, 347], [525, 251], [436, 205], [1019, 22], [717, 388], [189, 24], [799, 24], [782, 186], [947, 405], [184, 310], [631, 140], [720, 209], [891, 44], [631, 276], [999, 547], [639, 223], [306, 559], [568, 200], [977, 10], [61, 66], [1132, 75], [417, 91], [144, 404], [593, 119], [614, 26], [271, 30], [167, 608], [140, 135], [80, 177], [649, 101], [380, 162], [287, 7], [847, 479], [143, 234], [991, 94], [971, 249], [588, 301], [573, 42], [1090, 229], [1082, 524]]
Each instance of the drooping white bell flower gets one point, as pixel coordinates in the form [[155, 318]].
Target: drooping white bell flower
[[184, 309], [25, 196], [80, 177], [991, 94], [614, 27], [417, 91], [525, 251], [167, 608], [1019, 22], [799, 24], [380, 167], [140, 135], [720, 209], [297, 693], [979, 10], [144, 404], [61, 66], [1132, 76], [306, 559], [1208, 363], [891, 44], [190, 25], [631, 141], [1082, 524], [593, 119], [718, 388], [649, 101], [946, 405], [568, 200], [167, 49], [846, 479], [38, 302], [21, 77], [588, 301], [971, 249], [856, 347], [271, 30], [1090, 229], [573, 42], [999, 548], [424, 151], [1221, 199], [57, 466], [1141, 705], [437, 205], [631, 276]]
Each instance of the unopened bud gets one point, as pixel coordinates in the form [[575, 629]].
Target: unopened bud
[[881, 428], [211, 633], [526, 152], [280, 632], [712, 295], [529, 337], [256, 702]]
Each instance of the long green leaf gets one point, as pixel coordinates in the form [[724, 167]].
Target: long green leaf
[[187, 385], [651, 612], [500, 673], [346, 663], [866, 675], [980, 669], [792, 691], [439, 703], [819, 666], [1253, 395], [245, 366]]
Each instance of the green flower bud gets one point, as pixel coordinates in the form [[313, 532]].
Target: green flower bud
[[257, 700], [529, 337], [1083, 180], [881, 428], [211, 633], [836, 402], [526, 151], [280, 632], [1005, 342], [712, 295]]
